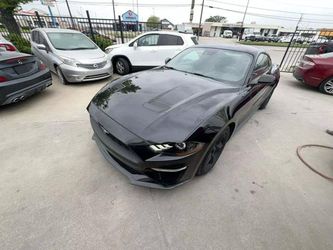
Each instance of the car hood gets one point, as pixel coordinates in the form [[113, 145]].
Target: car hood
[[163, 105], [114, 46], [83, 56]]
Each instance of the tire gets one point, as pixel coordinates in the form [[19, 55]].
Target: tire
[[61, 77], [327, 87], [264, 104], [122, 66], [213, 153]]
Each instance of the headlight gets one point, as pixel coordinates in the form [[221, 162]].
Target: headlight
[[108, 50], [68, 61], [182, 148]]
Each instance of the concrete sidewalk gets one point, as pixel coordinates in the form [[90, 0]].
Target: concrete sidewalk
[[58, 192]]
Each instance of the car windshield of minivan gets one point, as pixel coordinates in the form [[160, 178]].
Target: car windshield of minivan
[[70, 41], [220, 64]]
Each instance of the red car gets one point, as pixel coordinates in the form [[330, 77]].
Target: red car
[[316, 71]]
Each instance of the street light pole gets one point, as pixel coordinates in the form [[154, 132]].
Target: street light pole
[[192, 11], [202, 6], [70, 14], [241, 34], [114, 10]]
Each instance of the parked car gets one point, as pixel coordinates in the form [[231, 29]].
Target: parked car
[[21, 75], [272, 38], [319, 48], [254, 37], [285, 39], [163, 126], [227, 34], [316, 71], [70, 54], [6, 45], [148, 50]]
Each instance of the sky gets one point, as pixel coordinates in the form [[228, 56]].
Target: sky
[[286, 13]]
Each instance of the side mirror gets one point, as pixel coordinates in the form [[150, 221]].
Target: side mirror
[[267, 79], [168, 59], [135, 45], [41, 46]]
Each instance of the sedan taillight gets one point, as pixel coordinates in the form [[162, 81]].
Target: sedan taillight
[[3, 79], [41, 66], [8, 47]]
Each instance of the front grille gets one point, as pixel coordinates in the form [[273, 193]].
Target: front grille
[[92, 65], [92, 77]]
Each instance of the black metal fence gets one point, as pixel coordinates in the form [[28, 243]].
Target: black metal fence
[[303, 42], [109, 30]]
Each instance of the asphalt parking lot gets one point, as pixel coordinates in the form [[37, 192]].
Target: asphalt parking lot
[[58, 192]]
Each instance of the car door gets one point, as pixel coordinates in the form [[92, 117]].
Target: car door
[[44, 55], [169, 46], [253, 93], [144, 51]]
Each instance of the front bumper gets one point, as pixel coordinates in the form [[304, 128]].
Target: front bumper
[[157, 171], [79, 74], [19, 89]]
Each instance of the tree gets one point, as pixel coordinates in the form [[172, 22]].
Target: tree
[[153, 22], [7, 9], [216, 19]]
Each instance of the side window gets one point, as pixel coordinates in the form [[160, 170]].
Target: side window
[[148, 40], [170, 40], [263, 61], [35, 36]]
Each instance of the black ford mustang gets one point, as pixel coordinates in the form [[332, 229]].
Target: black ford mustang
[[163, 126]]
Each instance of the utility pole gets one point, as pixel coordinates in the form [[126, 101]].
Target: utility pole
[[202, 6], [70, 14], [192, 11], [114, 10], [137, 9], [242, 31]]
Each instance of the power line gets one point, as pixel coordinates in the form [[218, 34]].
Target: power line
[[272, 10]]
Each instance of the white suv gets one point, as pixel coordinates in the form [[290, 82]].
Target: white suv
[[148, 50]]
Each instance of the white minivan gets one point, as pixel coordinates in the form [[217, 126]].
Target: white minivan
[[227, 34], [148, 50]]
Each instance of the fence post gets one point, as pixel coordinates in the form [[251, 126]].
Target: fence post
[[90, 27], [39, 20], [285, 53], [121, 30]]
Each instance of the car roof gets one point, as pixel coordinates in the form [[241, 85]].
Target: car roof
[[51, 30], [169, 32], [243, 48]]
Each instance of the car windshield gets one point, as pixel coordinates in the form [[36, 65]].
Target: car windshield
[[220, 64], [70, 41]]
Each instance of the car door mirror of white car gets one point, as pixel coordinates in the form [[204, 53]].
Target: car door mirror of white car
[[135, 45], [41, 47]]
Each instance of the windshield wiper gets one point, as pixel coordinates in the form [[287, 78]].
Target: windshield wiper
[[198, 74], [168, 67], [82, 48]]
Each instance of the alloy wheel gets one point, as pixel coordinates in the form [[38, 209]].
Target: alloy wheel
[[120, 66], [329, 86]]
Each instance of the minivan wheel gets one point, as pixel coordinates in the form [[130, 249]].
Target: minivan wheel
[[61, 77], [327, 87], [214, 153], [122, 66]]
